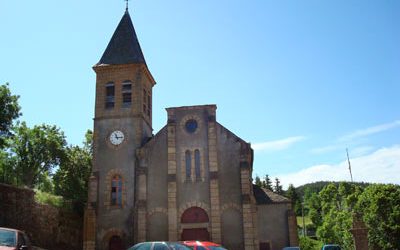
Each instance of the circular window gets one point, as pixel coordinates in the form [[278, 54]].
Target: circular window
[[191, 126]]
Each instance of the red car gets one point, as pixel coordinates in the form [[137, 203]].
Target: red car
[[12, 239], [203, 245]]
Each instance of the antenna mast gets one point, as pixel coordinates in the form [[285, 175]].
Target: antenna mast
[[348, 160]]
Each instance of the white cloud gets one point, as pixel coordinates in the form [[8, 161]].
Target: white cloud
[[278, 144], [381, 166], [370, 131], [344, 141]]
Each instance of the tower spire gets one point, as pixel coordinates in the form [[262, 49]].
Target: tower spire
[[127, 5]]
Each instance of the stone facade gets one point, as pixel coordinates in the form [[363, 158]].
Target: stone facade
[[190, 181]]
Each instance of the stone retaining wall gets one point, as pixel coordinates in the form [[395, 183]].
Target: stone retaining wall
[[47, 226]]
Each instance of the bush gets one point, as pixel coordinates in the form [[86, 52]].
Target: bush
[[307, 243]]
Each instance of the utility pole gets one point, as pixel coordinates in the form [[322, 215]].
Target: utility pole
[[302, 215], [348, 160]]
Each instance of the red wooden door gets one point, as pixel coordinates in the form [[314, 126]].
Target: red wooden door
[[116, 243], [195, 234]]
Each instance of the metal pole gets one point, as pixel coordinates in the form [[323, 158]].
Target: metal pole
[[348, 160], [302, 215]]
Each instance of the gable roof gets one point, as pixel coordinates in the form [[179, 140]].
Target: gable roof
[[266, 196], [124, 47]]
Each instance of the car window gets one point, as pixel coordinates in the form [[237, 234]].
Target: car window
[[201, 248], [8, 238], [216, 248]]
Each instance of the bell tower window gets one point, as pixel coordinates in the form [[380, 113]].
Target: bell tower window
[[126, 94], [110, 95]]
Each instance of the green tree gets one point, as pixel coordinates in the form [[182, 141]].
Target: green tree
[[380, 206], [267, 183], [313, 203], [7, 171], [258, 181], [278, 187], [336, 214], [291, 193], [36, 151], [9, 111], [71, 179]]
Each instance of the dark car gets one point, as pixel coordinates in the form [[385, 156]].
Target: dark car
[[13, 239], [331, 247], [159, 245]]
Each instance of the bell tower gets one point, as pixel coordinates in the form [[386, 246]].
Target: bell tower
[[122, 123]]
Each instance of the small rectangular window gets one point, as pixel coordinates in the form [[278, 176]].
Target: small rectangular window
[[126, 87], [126, 94], [126, 99], [110, 95]]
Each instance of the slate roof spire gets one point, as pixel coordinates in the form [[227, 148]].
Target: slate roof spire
[[124, 47]]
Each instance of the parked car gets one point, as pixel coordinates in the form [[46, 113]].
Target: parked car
[[203, 245], [13, 239], [291, 248], [331, 247], [158, 245]]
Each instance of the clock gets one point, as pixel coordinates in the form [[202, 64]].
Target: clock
[[116, 137]]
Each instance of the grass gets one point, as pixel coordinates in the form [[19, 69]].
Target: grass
[[307, 221], [47, 198]]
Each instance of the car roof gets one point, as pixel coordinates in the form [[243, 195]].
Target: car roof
[[10, 229], [199, 243]]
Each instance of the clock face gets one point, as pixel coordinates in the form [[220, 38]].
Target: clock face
[[117, 137]]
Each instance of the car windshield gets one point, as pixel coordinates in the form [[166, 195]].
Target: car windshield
[[216, 248], [7, 238]]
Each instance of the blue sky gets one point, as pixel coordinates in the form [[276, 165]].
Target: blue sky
[[300, 80]]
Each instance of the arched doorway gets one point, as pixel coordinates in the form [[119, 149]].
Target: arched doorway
[[115, 243], [194, 223]]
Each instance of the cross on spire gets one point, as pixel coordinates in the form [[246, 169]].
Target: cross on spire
[[126, 4]]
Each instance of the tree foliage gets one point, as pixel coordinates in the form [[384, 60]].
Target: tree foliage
[[267, 182], [291, 193], [331, 211], [9, 111], [277, 186], [35, 152], [258, 182], [380, 206], [71, 178]]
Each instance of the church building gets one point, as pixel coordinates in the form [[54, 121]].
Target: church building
[[192, 180]]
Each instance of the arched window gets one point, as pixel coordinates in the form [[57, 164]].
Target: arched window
[[116, 191], [188, 161], [126, 94], [197, 164], [110, 95]]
